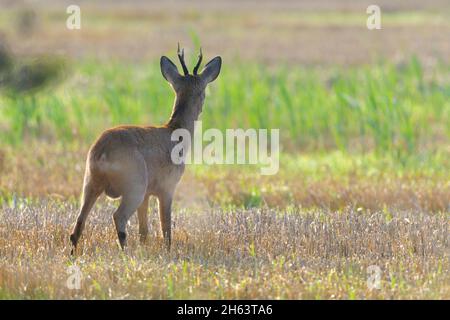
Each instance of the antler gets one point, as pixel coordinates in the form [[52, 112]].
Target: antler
[[181, 57], [200, 57]]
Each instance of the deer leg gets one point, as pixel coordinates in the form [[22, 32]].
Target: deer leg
[[131, 182], [165, 213], [127, 207], [90, 195], [143, 220]]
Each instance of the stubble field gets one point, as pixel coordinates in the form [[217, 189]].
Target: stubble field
[[363, 188]]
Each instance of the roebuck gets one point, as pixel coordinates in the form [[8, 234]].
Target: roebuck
[[134, 162]]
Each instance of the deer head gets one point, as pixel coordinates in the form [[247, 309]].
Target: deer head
[[189, 88]]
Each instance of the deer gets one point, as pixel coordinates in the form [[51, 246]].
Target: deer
[[134, 162]]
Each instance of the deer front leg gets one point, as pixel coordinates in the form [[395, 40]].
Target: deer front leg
[[165, 215]]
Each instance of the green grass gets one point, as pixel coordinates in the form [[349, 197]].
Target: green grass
[[364, 164], [369, 187], [395, 110]]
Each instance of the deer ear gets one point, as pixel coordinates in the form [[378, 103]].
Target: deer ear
[[212, 69], [169, 70]]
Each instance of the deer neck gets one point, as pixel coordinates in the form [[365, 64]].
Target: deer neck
[[185, 113]]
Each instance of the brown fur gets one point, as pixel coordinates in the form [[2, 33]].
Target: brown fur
[[133, 162]]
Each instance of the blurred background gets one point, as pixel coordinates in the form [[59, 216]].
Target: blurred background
[[310, 68], [306, 32], [364, 119]]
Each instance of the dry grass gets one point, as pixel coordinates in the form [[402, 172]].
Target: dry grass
[[257, 253], [306, 233], [310, 232], [331, 182]]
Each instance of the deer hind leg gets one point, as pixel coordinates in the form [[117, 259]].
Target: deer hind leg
[[165, 215], [132, 183], [129, 204], [90, 195], [143, 220]]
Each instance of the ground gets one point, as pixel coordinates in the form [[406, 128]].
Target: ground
[[363, 189]]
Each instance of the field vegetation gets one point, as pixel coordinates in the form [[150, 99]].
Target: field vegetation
[[364, 174]]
